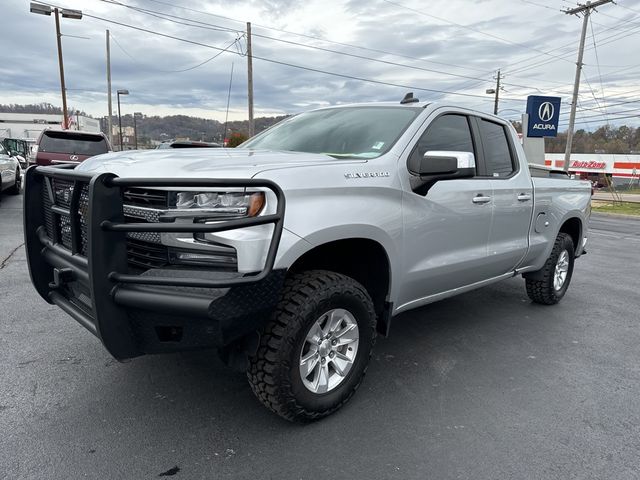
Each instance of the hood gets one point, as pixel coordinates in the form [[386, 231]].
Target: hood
[[201, 162]]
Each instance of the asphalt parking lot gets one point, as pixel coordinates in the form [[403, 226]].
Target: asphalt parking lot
[[483, 386]]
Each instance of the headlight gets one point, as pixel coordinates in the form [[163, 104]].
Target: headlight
[[218, 203]]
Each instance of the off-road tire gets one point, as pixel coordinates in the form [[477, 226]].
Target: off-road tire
[[15, 189], [542, 290], [273, 371]]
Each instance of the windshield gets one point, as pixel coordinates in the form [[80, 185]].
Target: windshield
[[350, 132], [76, 143]]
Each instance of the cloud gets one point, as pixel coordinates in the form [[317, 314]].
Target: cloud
[[147, 65]]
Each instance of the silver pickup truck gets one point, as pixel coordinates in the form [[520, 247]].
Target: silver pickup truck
[[389, 207]]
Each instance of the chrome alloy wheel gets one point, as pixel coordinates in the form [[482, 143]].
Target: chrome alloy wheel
[[329, 351], [561, 270]]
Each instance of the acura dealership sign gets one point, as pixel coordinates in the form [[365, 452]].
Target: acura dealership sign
[[544, 113]]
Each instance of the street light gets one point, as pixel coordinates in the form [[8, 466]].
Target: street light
[[121, 92], [41, 9]]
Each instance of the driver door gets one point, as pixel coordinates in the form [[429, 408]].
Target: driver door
[[446, 229]]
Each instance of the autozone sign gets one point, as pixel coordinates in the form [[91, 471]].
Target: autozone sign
[[588, 164]]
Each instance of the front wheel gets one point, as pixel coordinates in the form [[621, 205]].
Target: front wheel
[[314, 352], [553, 279]]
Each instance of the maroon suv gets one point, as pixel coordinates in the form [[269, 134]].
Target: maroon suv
[[69, 146]]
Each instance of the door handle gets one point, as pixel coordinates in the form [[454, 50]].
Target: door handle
[[481, 199], [523, 197]]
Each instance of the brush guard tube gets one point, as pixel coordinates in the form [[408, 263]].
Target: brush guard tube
[[157, 311]]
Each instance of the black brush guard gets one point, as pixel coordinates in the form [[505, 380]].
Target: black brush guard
[[137, 314]]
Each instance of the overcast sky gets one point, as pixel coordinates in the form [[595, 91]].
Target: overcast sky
[[439, 46]]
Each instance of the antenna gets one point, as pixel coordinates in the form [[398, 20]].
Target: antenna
[[408, 98]]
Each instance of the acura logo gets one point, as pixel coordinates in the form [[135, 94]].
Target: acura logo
[[75, 157], [546, 111]]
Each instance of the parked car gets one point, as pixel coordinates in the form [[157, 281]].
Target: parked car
[[10, 173], [188, 144], [69, 146], [389, 207], [17, 148]]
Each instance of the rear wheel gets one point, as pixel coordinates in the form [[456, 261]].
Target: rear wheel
[[553, 280], [15, 189], [314, 352]]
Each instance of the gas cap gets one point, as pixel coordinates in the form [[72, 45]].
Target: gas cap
[[541, 222]]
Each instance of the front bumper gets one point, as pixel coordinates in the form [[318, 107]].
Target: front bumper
[[76, 242]]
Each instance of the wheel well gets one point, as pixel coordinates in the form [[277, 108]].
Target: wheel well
[[573, 227], [363, 260]]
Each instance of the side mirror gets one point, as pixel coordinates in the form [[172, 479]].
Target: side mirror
[[440, 165], [436, 165]]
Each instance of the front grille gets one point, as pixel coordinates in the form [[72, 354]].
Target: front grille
[[146, 197], [146, 255], [144, 249], [136, 214]]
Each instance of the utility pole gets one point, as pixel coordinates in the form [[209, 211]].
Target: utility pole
[[586, 11], [226, 117], [109, 127], [495, 103], [250, 79], [65, 120]]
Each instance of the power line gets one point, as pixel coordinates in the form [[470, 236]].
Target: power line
[[609, 39], [540, 5], [317, 38], [135, 60], [595, 51], [278, 62], [357, 46], [585, 10], [571, 47], [615, 115], [309, 46], [162, 16], [627, 8], [298, 44], [467, 27], [475, 80]]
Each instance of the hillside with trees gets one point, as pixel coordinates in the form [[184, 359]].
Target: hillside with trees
[[193, 128], [606, 139], [43, 108]]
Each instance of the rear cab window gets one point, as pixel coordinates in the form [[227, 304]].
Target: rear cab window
[[72, 143], [499, 161]]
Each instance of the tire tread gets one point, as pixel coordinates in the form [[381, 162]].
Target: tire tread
[[541, 291], [268, 368]]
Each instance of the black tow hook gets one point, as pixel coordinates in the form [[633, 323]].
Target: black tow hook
[[61, 276]]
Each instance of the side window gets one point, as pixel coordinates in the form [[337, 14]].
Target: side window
[[497, 154], [446, 133]]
